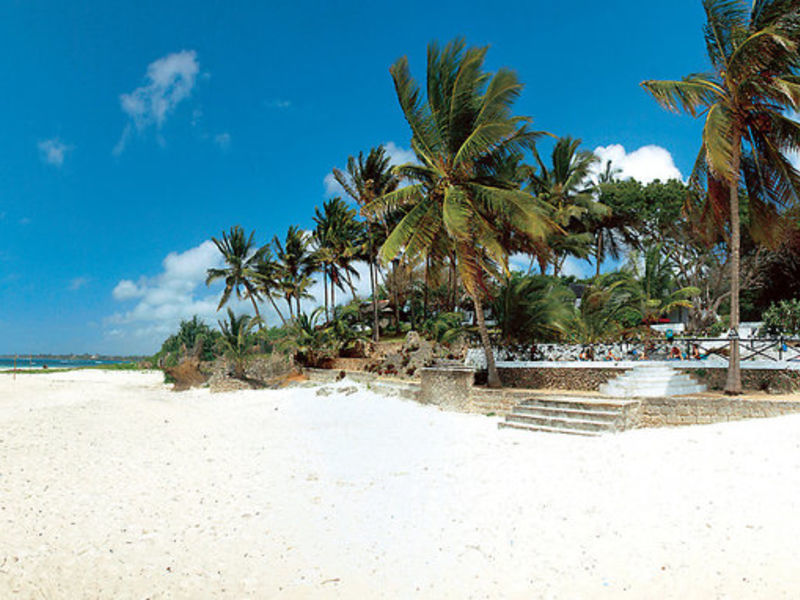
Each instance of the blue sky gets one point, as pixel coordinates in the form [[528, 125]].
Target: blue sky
[[134, 131]]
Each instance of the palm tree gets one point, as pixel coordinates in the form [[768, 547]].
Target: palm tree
[[366, 179], [268, 279], [655, 294], [532, 308], [566, 187], [295, 266], [339, 240], [237, 340], [460, 134], [242, 258], [753, 50]]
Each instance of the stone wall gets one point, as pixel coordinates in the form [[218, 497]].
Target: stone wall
[[590, 378], [666, 412], [558, 378], [447, 387], [768, 380]]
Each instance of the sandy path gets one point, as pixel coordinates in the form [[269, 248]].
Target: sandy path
[[113, 487]]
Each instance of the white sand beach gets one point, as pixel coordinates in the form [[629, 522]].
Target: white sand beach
[[111, 486]]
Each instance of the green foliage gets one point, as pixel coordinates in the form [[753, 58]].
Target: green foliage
[[237, 340], [605, 309], [532, 308], [651, 210], [783, 317], [309, 341], [193, 336], [445, 327], [347, 327], [654, 294]]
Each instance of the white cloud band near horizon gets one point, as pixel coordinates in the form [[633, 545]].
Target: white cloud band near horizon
[[156, 305]]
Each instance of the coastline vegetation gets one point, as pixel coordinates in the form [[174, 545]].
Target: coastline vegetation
[[478, 236]]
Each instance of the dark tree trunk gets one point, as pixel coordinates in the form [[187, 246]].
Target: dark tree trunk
[[325, 284], [277, 310], [493, 380], [599, 253], [376, 334], [733, 383]]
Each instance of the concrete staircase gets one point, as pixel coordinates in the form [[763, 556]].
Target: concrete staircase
[[651, 381], [572, 415]]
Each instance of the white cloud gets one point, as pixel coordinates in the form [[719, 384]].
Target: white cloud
[[646, 164], [223, 140], [53, 151], [77, 283], [332, 187], [161, 302], [126, 289], [279, 104], [156, 305], [398, 155], [169, 81]]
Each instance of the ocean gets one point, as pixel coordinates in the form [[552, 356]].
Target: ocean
[[24, 362]]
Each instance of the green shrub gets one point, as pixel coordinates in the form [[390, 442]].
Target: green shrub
[[783, 317]]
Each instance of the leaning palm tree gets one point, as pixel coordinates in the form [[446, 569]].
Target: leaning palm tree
[[241, 257], [366, 179], [460, 134], [753, 50]]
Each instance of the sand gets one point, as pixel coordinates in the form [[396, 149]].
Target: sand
[[113, 487]]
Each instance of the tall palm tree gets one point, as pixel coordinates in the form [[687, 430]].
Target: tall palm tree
[[268, 279], [566, 187], [241, 257], [339, 240], [460, 134], [366, 179], [614, 230], [753, 50], [296, 265]]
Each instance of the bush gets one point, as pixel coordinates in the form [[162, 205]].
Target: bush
[[193, 335], [783, 317]]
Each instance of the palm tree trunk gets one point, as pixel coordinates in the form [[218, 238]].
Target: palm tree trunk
[[352, 287], [733, 383], [425, 290], [277, 310], [258, 314], [599, 253], [297, 301], [493, 380], [325, 283], [333, 295], [376, 334], [289, 303]]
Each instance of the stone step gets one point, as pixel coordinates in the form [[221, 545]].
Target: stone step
[[554, 422], [543, 429], [600, 416], [650, 391], [601, 404], [633, 376], [649, 382]]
